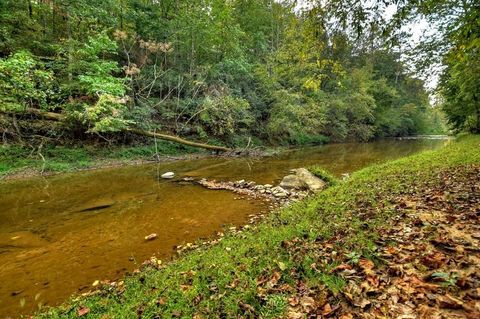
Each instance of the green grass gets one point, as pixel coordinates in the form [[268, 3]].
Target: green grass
[[15, 159], [324, 175], [199, 282]]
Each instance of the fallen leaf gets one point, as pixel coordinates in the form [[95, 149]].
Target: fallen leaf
[[449, 302], [83, 311], [274, 279]]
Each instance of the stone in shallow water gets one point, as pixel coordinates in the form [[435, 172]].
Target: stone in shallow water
[[168, 175], [151, 236]]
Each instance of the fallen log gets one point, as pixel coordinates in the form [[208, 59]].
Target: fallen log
[[177, 139], [60, 117]]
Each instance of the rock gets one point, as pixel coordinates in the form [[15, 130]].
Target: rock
[[268, 186], [313, 183], [292, 182], [168, 175], [278, 189], [279, 192], [280, 195], [151, 236]]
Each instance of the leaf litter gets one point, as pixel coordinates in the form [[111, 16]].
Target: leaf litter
[[426, 262]]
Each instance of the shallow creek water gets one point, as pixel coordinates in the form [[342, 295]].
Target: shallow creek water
[[51, 246]]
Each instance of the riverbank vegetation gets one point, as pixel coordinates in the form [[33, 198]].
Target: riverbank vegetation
[[22, 161], [384, 242], [230, 73]]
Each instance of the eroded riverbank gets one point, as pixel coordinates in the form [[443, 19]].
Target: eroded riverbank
[[57, 249]]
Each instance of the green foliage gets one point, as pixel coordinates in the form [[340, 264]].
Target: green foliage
[[23, 82], [92, 71], [108, 114], [461, 79], [225, 115], [447, 279], [294, 118], [93, 75], [216, 70]]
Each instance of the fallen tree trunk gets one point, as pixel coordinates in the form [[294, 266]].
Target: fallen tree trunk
[[46, 115], [60, 117], [178, 140]]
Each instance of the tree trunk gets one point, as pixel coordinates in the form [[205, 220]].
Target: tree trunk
[[180, 140], [46, 115]]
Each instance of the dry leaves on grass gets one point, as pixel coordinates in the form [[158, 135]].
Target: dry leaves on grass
[[429, 260]]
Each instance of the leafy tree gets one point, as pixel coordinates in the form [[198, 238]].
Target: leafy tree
[[24, 83]]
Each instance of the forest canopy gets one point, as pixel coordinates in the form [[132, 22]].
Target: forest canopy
[[228, 71]]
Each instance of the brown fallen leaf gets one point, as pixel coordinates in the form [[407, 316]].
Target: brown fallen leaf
[[83, 311], [295, 315], [449, 302], [362, 303], [434, 260], [366, 265], [307, 303], [246, 307], [328, 310], [341, 268], [293, 301], [274, 279]]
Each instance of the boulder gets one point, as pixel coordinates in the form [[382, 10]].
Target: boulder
[[292, 182], [168, 175], [313, 183]]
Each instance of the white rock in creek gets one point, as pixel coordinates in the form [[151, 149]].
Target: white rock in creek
[[151, 236], [168, 175]]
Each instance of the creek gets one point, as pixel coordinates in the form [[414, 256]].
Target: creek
[[59, 234]]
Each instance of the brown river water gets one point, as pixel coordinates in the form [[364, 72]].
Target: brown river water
[[52, 247]]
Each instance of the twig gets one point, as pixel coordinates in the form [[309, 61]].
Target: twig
[[39, 152], [157, 157], [248, 144]]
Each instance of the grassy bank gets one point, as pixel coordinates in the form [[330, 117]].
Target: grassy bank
[[16, 160], [303, 260]]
